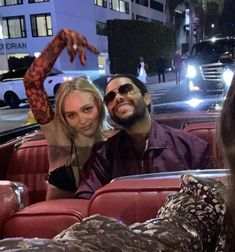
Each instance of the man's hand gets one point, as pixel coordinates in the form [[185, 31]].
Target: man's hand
[[77, 43]]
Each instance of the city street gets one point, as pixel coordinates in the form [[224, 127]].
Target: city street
[[166, 97], [12, 118]]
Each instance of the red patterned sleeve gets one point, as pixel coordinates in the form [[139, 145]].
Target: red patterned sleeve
[[38, 71]]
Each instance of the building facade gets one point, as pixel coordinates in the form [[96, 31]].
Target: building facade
[[26, 26]]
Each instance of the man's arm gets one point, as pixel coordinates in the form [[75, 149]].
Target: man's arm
[[96, 172], [201, 154]]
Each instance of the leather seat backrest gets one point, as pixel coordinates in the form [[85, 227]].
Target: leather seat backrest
[[139, 199], [207, 131], [132, 200], [29, 165], [6, 151]]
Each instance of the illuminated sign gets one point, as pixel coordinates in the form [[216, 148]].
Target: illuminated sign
[[187, 19], [10, 46]]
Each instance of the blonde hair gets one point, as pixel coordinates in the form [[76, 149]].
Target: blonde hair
[[79, 84]]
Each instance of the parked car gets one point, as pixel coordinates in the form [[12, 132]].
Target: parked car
[[12, 91], [211, 65]]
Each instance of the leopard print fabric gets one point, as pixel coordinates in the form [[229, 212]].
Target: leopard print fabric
[[190, 220], [94, 234], [38, 71]]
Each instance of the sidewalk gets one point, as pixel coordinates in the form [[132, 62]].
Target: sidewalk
[[170, 76], [175, 93]]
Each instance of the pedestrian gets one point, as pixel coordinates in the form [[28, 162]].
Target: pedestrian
[[107, 66], [142, 75], [161, 69], [176, 64], [79, 117], [143, 145]]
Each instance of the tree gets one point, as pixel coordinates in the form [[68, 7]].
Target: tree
[[128, 40], [227, 21], [213, 10], [208, 12], [171, 6]]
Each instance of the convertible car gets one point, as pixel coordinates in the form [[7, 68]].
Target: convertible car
[[24, 168]]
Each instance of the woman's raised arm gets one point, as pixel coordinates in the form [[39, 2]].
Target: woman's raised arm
[[38, 71]]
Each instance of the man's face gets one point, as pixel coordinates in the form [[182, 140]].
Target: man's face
[[125, 103]]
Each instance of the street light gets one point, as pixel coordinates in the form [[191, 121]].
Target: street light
[[213, 28]]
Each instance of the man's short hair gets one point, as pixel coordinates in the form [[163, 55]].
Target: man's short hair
[[141, 86], [138, 83]]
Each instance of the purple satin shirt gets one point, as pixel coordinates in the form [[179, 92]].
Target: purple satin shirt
[[169, 149]]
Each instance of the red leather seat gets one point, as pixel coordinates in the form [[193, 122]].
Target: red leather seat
[[128, 200], [133, 200], [11, 200], [207, 131], [29, 165], [29, 162], [46, 219]]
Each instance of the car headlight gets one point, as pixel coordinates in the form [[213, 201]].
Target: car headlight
[[67, 78], [228, 76], [191, 71]]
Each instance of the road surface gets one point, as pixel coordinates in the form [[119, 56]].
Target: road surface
[[161, 93]]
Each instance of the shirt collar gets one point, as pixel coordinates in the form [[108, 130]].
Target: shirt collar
[[157, 137]]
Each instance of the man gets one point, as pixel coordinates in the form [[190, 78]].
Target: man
[[143, 146], [161, 69]]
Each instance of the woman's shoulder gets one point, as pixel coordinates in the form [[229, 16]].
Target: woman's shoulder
[[55, 134], [196, 213], [199, 196], [202, 185]]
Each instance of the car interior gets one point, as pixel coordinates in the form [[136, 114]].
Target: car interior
[[24, 171]]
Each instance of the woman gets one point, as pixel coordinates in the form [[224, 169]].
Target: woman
[[79, 116], [142, 72], [227, 138]]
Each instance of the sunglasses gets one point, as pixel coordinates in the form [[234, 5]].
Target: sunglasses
[[124, 89]]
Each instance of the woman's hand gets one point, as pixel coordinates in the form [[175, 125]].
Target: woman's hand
[[77, 43]]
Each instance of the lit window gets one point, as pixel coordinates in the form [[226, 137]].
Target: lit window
[[122, 6], [38, 1], [102, 3], [119, 5], [10, 2], [41, 25], [14, 27]]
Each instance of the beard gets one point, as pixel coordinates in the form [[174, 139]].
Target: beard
[[137, 115]]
